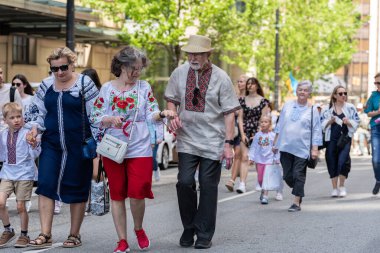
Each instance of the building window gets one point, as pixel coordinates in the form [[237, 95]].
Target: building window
[[24, 50]]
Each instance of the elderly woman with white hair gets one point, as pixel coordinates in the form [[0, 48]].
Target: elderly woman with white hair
[[299, 121]]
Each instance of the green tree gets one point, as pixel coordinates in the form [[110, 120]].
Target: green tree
[[315, 35]]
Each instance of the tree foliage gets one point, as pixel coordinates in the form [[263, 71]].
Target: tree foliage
[[316, 36]]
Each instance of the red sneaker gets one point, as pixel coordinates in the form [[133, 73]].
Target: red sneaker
[[142, 239], [122, 247]]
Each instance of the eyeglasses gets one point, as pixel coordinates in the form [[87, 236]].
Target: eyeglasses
[[55, 69], [195, 96], [16, 84], [136, 69], [342, 93], [376, 83]]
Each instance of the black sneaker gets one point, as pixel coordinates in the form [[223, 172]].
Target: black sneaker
[[187, 238], [376, 189], [294, 208], [202, 244]]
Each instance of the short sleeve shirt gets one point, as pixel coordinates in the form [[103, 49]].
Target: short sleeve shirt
[[203, 131]]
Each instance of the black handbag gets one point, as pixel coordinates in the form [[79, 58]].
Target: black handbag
[[343, 140], [311, 163], [88, 144]]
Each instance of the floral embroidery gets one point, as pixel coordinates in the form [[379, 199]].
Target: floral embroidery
[[152, 103], [122, 104]]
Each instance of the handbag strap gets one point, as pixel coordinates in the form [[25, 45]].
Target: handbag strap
[[137, 110], [100, 170], [83, 111], [311, 131]]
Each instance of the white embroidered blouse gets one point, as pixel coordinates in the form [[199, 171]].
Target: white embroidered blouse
[[112, 102]]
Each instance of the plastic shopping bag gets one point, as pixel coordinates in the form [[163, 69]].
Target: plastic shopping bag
[[272, 180]]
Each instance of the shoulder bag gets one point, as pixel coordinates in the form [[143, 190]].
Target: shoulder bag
[[114, 148], [88, 144], [311, 163], [343, 139]]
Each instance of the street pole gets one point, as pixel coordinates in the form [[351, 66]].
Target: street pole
[[70, 14], [277, 62]]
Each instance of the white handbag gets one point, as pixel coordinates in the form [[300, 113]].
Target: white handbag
[[114, 148], [272, 180]]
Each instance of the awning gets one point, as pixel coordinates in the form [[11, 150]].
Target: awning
[[47, 18]]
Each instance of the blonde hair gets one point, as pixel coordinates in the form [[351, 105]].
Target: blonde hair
[[268, 117], [11, 107], [62, 52]]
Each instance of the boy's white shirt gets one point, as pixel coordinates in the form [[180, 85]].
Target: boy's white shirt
[[25, 167]]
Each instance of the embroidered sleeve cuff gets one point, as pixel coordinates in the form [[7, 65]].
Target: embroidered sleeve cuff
[[172, 100], [232, 110]]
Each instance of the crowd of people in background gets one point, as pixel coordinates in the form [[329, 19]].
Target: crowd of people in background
[[215, 124]]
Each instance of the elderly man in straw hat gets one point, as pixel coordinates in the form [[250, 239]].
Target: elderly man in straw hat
[[203, 96]]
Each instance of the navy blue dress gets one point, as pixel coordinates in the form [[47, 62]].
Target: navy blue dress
[[63, 173]]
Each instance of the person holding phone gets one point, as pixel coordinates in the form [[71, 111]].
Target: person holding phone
[[341, 118]]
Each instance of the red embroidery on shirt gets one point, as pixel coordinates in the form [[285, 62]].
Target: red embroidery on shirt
[[12, 147], [204, 77]]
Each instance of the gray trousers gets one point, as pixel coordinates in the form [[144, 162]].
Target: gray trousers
[[294, 172], [199, 217]]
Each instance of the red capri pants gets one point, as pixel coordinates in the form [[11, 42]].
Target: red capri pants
[[130, 179]]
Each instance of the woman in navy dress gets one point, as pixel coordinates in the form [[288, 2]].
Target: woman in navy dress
[[64, 174]]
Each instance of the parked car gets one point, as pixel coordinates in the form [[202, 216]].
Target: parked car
[[167, 152]]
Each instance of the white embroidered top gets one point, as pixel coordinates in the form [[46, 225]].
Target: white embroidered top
[[112, 102]]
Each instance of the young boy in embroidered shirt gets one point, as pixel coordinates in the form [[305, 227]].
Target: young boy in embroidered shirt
[[18, 172]]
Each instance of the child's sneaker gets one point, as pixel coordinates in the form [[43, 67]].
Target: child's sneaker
[[142, 239], [264, 200], [6, 237], [22, 241], [279, 196], [122, 247], [258, 187]]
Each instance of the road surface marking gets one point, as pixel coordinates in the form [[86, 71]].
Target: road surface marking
[[55, 245], [236, 196]]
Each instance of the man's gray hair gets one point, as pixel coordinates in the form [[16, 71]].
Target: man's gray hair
[[306, 83]]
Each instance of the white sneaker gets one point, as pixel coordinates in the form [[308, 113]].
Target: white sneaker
[[28, 205], [342, 192], [241, 188], [57, 207], [279, 196], [157, 175], [335, 193], [258, 187]]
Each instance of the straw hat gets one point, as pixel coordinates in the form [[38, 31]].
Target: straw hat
[[197, 44]]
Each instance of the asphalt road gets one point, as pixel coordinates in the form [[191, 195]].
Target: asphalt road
[[325, 224]]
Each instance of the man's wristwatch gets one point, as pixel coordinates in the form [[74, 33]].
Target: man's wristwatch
[[231, 142], [161, 116]]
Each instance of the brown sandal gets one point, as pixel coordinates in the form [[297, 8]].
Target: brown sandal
[[42, 241], [230, 185], [72, 241]]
